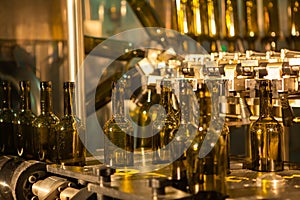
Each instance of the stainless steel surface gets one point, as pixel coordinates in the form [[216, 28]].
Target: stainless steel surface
[[240, 183]]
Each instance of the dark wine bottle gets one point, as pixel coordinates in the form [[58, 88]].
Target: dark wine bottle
[[70, 148], [165, 126], [24, 126], [266, 135], [118, 143], [7, 121], [251, 29], [294, 25], [231, 23], [44, 127], [271, 24], [206, 175]]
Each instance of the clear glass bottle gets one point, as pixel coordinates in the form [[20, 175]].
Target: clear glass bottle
[[206, 175], [165, 126], [44, 127], [119, 140], [69, 132], [24, 126], [266, 135], [7, 120]]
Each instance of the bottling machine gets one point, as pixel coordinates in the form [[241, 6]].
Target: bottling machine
[[204, 97]]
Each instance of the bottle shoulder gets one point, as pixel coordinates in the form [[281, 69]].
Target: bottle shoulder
[[69, 122], [46, 119], [26, 116], [272, 125], [266, 120], [118, 123], [7, 115]]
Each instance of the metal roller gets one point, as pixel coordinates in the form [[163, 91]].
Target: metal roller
[[26, 174], [17, 177]]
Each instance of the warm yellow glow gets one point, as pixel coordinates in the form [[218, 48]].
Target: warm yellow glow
[[123, 8], [294, 32], [101, 12], [195, 147], [211, 19], [185, 25], [230, 22], [231, 32], [198, 22], [71, 34]]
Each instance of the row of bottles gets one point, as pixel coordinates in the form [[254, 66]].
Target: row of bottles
[[233, 25], [177, 136], [43, 137]]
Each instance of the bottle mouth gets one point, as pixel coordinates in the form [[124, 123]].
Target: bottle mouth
[[24, 84], [46, 84], [69, 84]]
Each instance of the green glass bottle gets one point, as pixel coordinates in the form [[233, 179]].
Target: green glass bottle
[[266, 135], [69, 133], [24, 126], [44, 127], [7, 120], [118, 143]]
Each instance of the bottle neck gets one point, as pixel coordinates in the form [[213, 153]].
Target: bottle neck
[[265, 102], [167, 99], [118, 99], [68, 100], [25, 103], [46, 101], [185, 100], [6, 99]]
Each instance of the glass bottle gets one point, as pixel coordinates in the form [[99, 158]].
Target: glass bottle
[[70, 148], [166, 125], [213, 24], [207, 170], [118, 143], [251, 29], [182, 16], [145, 116], [231, 23], [44, 127], [187, 129], [266, 135], [24, 126], [197, 19], [7, 120], [271, 24], [294, 25]]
